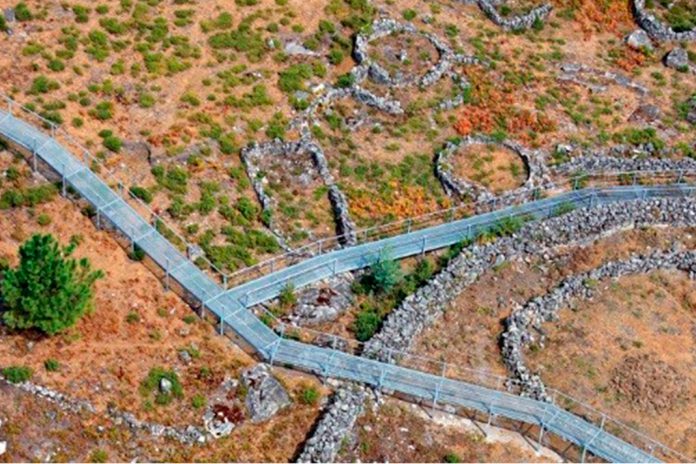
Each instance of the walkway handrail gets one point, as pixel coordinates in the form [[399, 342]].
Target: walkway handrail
[[232, 312]]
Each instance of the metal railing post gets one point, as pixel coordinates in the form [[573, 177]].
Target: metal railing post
[[423, 245], [166, 275], [438, 387], [274, 350], [132, 240], [222, 323], [63, 176]]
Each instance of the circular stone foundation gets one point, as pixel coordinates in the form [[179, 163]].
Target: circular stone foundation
[[495, 167], [481, 168]]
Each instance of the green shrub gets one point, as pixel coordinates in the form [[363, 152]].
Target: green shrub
[[81, 13], [287, 297], [103, 111], [309, 396], [43, 219], [22, 12], [151, 384], [366, 324], [383, 275], [174, 179], [99, 456], [452, 458], [56, 65], [17, 374], [51, 365], [112, 143], [409, 14], [346, 80], [292, 79], [141, 193], [43, 84], [48, 290], [132, 317], [198, 401]]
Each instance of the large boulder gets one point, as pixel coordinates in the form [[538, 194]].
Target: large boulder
[[265, 394], [678, 58], [639, 40]]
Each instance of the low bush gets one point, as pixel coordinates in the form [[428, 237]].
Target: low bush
[[17, 374]]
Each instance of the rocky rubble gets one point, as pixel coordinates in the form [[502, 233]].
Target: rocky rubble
[[655, 28], [524, 326], [62, 401], [188, 435], [573, 72], [335, 424], [323, 302]]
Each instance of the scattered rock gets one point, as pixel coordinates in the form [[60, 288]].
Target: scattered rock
[[646, 113], [3, 447], [165, 385], [296, 48]]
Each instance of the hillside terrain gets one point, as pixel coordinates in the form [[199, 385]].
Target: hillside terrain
[[256, 134]]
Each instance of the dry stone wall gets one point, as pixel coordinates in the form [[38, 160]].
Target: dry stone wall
[[534, 161], [655, 28], [335, 424], [426, 305], [421, 309], [251, 155], [490, 8], [524, 326]]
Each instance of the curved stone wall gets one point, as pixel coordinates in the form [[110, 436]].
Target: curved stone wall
[[655, 28], [534, 161], [524, 326], [518, 22]]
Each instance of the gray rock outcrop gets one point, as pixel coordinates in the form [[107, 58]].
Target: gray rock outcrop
[[265, 395]]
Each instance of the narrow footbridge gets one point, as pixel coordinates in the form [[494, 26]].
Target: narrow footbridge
[[230, 306]]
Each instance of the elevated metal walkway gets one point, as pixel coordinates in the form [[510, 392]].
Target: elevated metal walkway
[[230, 306]]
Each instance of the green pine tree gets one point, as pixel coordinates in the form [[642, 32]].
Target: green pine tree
[[49, 290]]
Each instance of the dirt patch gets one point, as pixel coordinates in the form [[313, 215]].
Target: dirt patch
[[498, 169], [401, 433], [649, 384]]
